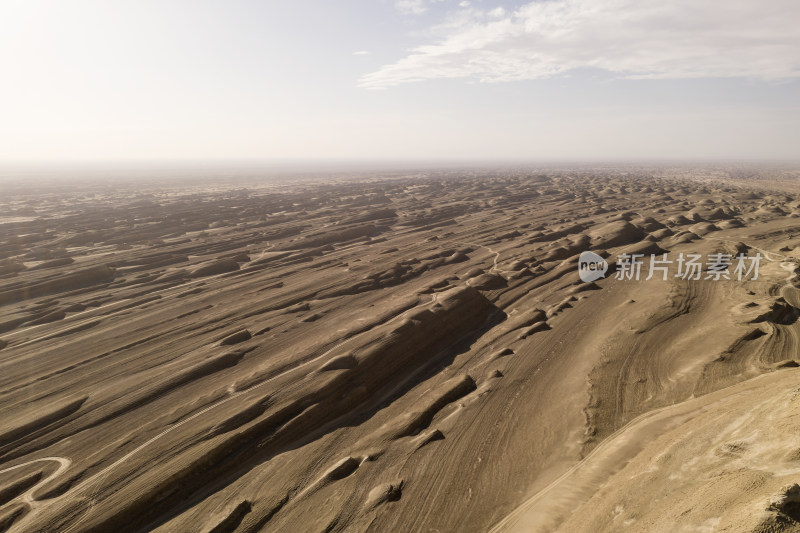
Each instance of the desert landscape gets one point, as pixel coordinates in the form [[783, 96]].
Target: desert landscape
[[399, 266], [399, 351]]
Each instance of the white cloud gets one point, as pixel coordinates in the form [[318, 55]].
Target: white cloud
[[411, 7], [415, 7], [497, 12], [631, 38], [361, 53]]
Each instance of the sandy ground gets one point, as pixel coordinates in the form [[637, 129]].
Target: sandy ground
[[399, 353]]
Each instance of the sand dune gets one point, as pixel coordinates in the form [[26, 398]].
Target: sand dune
[[400, 353]]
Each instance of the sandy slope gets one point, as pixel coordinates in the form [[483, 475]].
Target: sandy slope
[[725, 461], [397, 354]]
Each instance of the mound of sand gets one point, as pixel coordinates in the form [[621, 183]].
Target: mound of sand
[[615, 234], [57, 284], [678, 220], [488, 282], [220, 266]]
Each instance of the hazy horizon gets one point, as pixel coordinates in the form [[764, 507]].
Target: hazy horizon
[[383, 164]]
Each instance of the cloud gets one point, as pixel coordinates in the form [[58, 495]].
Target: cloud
[[361, 53], [497, 13], [411, 7], [630, 38], [415, 7]]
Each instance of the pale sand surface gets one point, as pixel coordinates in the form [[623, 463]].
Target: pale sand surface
[[398, 353]]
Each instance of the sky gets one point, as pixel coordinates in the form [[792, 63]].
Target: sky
[[135, 80]]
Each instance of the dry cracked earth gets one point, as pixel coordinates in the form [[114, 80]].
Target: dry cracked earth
[[399, 353]]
